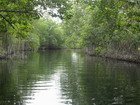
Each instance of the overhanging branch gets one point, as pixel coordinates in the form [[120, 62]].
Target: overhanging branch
[[18, 11], [7, 21]]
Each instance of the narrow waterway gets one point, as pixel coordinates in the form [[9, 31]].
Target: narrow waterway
[[68, 78]]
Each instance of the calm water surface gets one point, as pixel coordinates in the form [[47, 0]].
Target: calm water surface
[[68, 78]]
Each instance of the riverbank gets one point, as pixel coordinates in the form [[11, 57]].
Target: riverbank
[[111, 54], [15, 55], [22, 53], [118, 55]]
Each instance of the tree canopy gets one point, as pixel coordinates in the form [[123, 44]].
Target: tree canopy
[[111, 24]]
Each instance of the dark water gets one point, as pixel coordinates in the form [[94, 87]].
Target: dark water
[[68, 78]]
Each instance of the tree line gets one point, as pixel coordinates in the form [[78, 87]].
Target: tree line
[[105, 26]]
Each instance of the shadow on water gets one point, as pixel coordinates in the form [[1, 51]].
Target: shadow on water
[[68, 78]]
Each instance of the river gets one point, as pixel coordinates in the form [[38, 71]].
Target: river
[[68, 77]]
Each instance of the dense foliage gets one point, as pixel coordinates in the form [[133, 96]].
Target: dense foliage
[[18, 20], [49, 34], [112, 24], [99, 24]]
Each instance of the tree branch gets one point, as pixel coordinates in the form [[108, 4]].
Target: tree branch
[[7, 21], [18, 11]]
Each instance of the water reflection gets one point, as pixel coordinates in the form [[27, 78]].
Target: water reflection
[[47, 93], [74, 57], [68, 78]]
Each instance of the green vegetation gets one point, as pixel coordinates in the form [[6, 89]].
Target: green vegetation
[[49, 34], [22, 26], [107, 24], [99, 25], [107, 28]]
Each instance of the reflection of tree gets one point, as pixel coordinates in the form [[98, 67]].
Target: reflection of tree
[[18, 79], [83, 81], [38, 67], [8, 90], [70, 81], [95, 81]]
